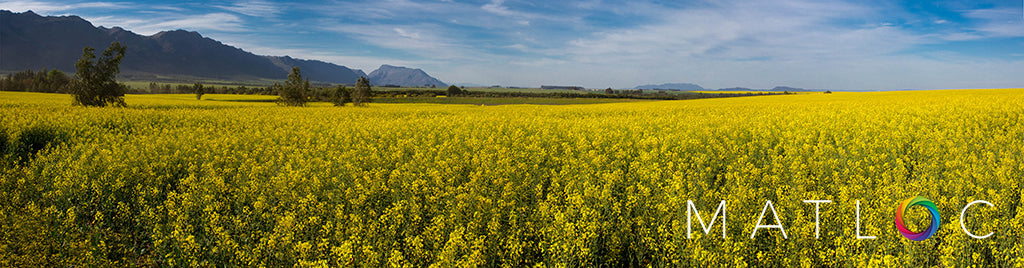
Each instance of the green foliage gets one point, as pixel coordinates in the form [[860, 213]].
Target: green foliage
[[52, 81], [361, 95], [454, 90], [295, 91], [95, 83], [198, 90], [4, 146], [500, 101], [34, 139], [341, 96]]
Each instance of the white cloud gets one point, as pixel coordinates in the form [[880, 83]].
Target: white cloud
[[788, 30], [255, 8], [998, 22], [495, 7], [365, 63], [50, 7], [402, 33], [223, 22], [427, 40], [146, 20]]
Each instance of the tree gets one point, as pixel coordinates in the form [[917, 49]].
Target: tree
[[36, 81], [342, 95], [361, 94], [199, 90], [295, 90], [95, 84], [454, 90]]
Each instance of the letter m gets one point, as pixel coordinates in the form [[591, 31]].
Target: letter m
[[692, 209]]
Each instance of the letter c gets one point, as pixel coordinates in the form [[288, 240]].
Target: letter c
[[964, 213]]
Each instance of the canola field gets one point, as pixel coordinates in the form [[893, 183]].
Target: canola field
[[171, 181]]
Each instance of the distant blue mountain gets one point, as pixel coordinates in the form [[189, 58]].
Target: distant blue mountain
[[780, 88], [673, 86], [402, 76]]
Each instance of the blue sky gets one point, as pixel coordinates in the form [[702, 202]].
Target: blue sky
[[862, 45]]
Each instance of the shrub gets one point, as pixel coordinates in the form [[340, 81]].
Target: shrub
[[4, 146], [454, 90], [34, 139], [341, 96]]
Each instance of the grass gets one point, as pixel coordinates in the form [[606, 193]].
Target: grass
[[223, 100], [501, 101], [144, 84]]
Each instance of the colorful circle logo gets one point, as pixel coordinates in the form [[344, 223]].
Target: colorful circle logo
[[905, 207]]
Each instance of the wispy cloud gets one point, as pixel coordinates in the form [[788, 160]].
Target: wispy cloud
[[783, 30], [222, 22], [495, 6], [426, 41], [256, 8], [998, 22], [362, 62], [148, 19], [52, 7]]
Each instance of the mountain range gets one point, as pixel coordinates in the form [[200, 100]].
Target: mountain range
[[673, 86], [394, 75], [29, 41]]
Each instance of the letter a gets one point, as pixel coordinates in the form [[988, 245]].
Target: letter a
[[777, 224]]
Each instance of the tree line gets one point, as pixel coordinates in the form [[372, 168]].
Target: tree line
[[93, 83], [46, 81], [296, 91]]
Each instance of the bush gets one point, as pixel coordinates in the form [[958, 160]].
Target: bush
[[4, 146], [454, 90], [34, 139], [341, 96]]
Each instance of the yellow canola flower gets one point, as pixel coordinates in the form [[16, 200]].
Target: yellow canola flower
[[170, 181]]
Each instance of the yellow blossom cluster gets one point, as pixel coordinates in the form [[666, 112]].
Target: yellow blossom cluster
[[171, 181]]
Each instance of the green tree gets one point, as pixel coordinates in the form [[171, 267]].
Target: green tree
[[295, 90], [361, 94], [52, 81], [454, 90], [198, 90], [95, 83], [342, 95]]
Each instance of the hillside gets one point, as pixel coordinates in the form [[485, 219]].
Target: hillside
[[32, 42], [402, 76], [673, 86]]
